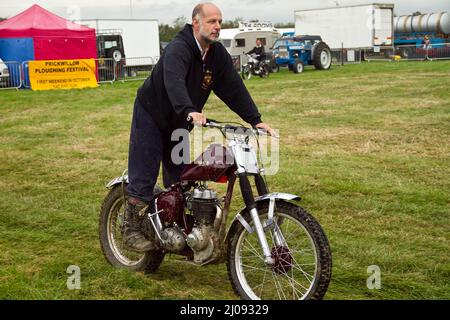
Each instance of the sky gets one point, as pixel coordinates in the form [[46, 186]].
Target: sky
[[166, 11]]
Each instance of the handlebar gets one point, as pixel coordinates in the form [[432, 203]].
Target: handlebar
[[210, 123]]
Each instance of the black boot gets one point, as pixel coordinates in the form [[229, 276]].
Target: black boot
[[135, 216]]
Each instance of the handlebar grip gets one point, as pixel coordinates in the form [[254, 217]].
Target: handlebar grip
[[189, 119]]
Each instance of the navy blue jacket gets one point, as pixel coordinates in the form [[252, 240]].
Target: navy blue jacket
[[181, 83]]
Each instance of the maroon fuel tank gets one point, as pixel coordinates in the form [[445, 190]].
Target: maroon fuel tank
[[213, 164], [172, 205]]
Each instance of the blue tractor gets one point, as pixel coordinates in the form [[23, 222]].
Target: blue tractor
[[296, 52]]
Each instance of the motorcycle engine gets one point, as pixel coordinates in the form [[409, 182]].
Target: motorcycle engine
[[204, 208], [171, 210]]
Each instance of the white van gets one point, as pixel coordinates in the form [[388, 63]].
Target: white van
[[4, 74], [243, 39]]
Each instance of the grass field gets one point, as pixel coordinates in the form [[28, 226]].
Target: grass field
[[366, 146]]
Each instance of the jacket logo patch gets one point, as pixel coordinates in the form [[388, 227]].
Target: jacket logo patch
[[207, 80]]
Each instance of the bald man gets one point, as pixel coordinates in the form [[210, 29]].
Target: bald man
[[191, 66]]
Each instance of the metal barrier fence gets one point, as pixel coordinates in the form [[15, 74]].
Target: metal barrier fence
[[139, 68], [346, 56], [12, 77], [136, 68], [106, 70], [435, 51], [24, 74], [439, 51], [127, 69], [16, 76]]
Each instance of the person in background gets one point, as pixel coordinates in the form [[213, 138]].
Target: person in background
[[258, 51], [426, 46]]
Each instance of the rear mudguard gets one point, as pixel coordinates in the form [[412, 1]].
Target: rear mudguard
[[271, 198], [124, 179]]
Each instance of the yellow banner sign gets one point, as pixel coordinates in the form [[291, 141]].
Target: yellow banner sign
[[62, 74]]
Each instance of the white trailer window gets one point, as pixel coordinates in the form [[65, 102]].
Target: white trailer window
[[110, 44], [240, 43]]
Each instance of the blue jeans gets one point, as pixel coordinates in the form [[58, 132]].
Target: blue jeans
[[149, 146]]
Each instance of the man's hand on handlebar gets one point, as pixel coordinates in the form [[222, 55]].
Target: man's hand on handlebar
[[197, 118], [266, 127]]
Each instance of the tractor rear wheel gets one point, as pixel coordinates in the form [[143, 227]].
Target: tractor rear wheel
[[322, 56]]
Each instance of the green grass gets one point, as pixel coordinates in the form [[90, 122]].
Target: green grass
[[366, 146]]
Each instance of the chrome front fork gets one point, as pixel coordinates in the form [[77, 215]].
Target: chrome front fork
[[249, 200], [270, 226], [261, 237]]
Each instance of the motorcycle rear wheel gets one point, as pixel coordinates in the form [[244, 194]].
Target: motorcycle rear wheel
[[112, 215], [264, 71], [302, 268]]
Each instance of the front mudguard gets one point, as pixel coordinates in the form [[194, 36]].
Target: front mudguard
[[271, 198], [118, 180]]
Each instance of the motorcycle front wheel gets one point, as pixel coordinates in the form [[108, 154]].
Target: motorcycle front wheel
[[299, 247], [246, 72], [112, 215]]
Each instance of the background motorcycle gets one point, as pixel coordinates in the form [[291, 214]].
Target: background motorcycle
[[273, 248], [254, 67]]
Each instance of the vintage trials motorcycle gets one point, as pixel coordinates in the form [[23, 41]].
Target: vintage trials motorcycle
[[273, 248]]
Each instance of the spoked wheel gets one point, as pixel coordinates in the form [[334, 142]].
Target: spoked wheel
[[246, 72], [299, 247], [264, 71], [112, 216]]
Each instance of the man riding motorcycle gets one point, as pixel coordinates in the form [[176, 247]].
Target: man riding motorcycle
[[192, 66], [258, 51]]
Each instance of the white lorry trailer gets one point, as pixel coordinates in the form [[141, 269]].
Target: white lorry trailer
[[352, 27], [134, 42]]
